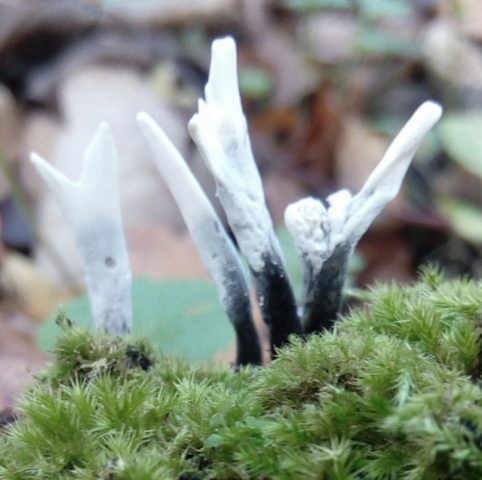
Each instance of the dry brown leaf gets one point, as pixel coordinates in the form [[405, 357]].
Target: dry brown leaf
[[387, 258], [27, 289], [10, 136], [331, 37], [17, 370], [470, 18], [450, 56]]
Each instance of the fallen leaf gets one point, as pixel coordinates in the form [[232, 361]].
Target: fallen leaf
[[470, 18], [450, 56], [26, 288], [461, 136], [184, 318], [465, 218]]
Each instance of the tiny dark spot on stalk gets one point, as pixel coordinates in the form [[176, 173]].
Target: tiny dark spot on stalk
[[109, 262]]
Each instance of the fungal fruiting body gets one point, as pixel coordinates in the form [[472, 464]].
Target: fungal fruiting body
[[219, 130], [214, 246], [326, 236], [91, 208]]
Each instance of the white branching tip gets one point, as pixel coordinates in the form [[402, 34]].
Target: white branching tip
[[91, 207], [222, 88], [305, 220], [198, 213], [317, 230], [214, 246], [172, 167], [219, 130], [191, 199], [384, 183]]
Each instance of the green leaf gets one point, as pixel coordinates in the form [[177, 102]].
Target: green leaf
[[255, 82], [461, 136], [372, 40], [375, 9], [181, 317], [307, 5], [465, 218]]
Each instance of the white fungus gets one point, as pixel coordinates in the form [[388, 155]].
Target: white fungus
[[91, 208], [317, 230], [219, 130], [213, 244]]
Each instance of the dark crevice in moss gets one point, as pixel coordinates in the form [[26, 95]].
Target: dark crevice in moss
[[7, 417], [476, 372]]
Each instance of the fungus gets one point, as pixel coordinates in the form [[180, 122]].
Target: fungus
[[215, 247], [219, 130], [91, 208], [325, 237]]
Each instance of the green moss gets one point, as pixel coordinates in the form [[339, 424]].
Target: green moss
[[393, 393]]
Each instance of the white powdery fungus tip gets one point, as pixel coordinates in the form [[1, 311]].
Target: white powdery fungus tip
[[219, 130], [185, 189], [348, 217], [212, 242], [388, 175], [304, 220], [90, 206], [155, 138], [385, 181], [52, 177], [222, 87], [104, 128]]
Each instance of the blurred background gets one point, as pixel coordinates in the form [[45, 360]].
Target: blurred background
[[326, 84]]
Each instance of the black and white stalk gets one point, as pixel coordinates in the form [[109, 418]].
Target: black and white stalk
[[219, 130], [325, 237], [91, 208], [216, 249]]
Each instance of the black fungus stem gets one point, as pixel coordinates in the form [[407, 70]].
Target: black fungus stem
[[277, 302], [247, 345], [238, 309], [324, 292], [248, 348]]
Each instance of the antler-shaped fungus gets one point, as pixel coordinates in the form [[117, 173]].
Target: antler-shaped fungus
[[219, 130], [215, 247], [325, 237], [91, 208]]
